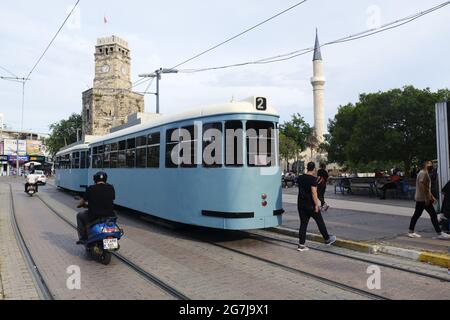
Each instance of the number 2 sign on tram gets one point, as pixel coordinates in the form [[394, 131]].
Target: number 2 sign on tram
[[261, 104]]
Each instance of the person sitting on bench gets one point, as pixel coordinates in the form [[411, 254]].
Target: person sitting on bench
[[392, 184]]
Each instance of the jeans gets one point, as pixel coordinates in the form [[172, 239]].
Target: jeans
[[321, 194], [389, 185], [83, 219], [305, 215], [420, 206]]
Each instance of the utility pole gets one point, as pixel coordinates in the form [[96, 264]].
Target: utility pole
[[157, 74], [23, 81]]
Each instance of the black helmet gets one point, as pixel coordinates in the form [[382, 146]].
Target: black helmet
[[100, 176]]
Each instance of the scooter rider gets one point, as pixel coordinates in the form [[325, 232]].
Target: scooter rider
[[31, 180], [100, 201]]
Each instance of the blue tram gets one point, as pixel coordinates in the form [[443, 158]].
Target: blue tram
[[239, 189], [71, 167]]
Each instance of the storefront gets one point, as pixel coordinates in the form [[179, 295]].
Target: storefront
[[12, 164], [4, 168]]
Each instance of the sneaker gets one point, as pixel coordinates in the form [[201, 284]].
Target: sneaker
[[302, 248], [331, 240], [325, 207], [414, 235], [444, 236]]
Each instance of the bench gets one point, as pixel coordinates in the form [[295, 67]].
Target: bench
[[363, 184], [406, 188]]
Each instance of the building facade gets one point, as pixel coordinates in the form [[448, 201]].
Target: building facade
[[24, 145], [110, 101]]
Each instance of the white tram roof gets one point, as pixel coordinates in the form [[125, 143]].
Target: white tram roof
[[235, 107], [79, 145]]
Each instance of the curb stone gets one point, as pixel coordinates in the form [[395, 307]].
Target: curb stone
[[441, 259]]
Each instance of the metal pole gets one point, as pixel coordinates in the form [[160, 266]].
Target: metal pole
[[21, 128], [158, 77]]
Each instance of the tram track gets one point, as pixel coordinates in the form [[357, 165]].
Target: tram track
[[319, 278], [268, 239], [41, 286], [142, 272], [307, 274]]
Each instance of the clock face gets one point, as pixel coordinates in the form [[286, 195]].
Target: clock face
[[124, 70], [105, 68]]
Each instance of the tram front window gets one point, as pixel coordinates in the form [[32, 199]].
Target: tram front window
[[260, 144], [233, 144]]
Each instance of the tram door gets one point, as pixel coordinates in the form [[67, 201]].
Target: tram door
[[443, 140]]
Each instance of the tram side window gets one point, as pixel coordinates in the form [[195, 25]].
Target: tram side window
[[153, 150], [141, 152], [189, 147], [234, 144], [83, 160], [97, 158], [106, 156], [170, 145], [260, 144], [113, 155], [212, 145], [88, 159], [131, 153], [121, 156], [75, 160], [66, 161]]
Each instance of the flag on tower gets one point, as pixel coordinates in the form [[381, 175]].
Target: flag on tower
[[105, 20]]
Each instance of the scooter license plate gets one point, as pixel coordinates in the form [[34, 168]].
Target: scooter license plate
[[110, 244]]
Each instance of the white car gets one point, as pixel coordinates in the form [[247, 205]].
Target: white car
[[41, 176]]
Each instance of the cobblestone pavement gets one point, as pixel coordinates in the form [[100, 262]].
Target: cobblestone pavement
[[16, 282], [52, 244], [349, 218], [202, 271]]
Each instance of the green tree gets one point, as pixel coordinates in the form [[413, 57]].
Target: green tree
[[63, 133], [298, 130], [393, 127], [288, 148]]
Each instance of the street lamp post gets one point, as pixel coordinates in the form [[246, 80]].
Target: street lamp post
[[157, 75]]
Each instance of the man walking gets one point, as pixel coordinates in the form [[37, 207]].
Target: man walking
[[322, 178], [424, 201], [308, 207]]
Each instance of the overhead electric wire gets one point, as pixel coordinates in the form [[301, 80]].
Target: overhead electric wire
[[297, 53], [53, 39], [12, 74], [238, 35], [148, 87]]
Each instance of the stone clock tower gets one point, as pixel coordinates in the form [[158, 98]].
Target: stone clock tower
[[110, 100]]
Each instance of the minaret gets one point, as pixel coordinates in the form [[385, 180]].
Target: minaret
[[318, 83]]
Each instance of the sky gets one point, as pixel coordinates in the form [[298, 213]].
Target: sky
[[165, 33]]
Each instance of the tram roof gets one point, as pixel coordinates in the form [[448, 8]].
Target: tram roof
[[79, 145], [247, 106]]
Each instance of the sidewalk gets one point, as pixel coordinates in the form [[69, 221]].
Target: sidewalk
[[16, 282], [369, 220]]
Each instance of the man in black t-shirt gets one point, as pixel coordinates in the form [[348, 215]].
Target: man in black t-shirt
[[100, 200], [308, 207]]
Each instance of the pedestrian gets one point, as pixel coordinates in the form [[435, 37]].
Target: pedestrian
[[322, 178], [424, 201], [445, 210], [308, 207]]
